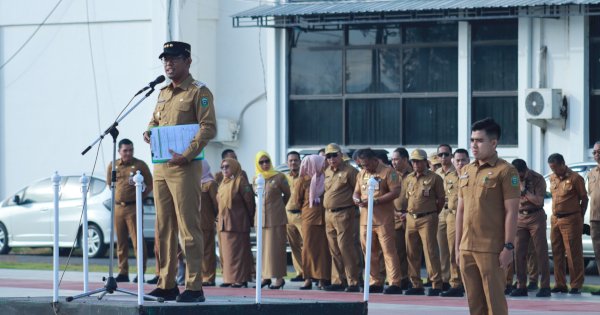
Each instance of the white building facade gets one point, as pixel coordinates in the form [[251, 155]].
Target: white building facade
[[382, 74]]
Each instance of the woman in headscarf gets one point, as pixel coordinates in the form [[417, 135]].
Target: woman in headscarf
[[235, 217], [309, 189], [208, 213], [276, 195]]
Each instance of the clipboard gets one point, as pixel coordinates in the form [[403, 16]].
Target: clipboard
[[176, 138]]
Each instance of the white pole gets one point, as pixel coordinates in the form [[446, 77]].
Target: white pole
[[371, 184], [55, 185], [139, 183], [260, 187], [85, 181]]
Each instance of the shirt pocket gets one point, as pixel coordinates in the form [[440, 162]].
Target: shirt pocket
[[184, 104]]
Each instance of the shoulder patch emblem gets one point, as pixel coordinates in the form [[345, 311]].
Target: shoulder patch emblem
[[515, 181], [204, 101], [394, 176]]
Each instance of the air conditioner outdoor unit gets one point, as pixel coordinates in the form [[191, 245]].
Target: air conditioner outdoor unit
[[542, 104]]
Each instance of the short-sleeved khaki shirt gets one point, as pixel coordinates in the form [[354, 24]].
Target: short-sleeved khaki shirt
[[483, 190], [401, 203], [422, 192], [292, 204], [594, 191], [567, 193], [533, 183], [450, 186], [125, 186], [339, 186], [387, 180]]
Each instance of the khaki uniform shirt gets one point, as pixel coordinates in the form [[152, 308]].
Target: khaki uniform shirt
[[208, 205], [567, 193], [277, 194], [241, 215], [314, 215], [533, 183], [189, 103], [401, 203], [483, 190], [451, 186], [422, 192], [292, 204], [387, 180], [125, 186], [339, 186], [594, 190]]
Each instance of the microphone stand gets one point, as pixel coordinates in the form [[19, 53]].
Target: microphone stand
[[110, 285]]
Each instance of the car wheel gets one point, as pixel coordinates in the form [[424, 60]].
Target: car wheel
[[4, 248], [96, 246]]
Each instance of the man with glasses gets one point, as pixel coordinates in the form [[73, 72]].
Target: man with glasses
[[177, 187], [401, 164], [340, 217], [448, 173], [294, 216], [594, 190]]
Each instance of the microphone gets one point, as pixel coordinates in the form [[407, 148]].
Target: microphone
[[151, 85]]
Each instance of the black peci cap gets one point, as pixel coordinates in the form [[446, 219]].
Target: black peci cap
[[176, 49]]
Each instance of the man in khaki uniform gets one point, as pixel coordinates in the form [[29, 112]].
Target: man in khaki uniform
[[401, 164], [177, 182], [447, 172], [486, 221], [387, 189], [125, 215], [425, 194], [594, 190], [294, 216], [569, 203], [531, 225], [340, 218]]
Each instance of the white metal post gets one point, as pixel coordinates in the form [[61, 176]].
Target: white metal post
[[139, 183], [85, 181], [55, 185], [260, 188], [371, 188]]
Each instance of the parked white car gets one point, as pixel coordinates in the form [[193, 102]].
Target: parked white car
[[26, 217], [583, 168]]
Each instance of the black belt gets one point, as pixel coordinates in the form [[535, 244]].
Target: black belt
[[339, 209], [420, 215], [562, 215], [402, 211], [294, 211], [126, 203], [529, 211]]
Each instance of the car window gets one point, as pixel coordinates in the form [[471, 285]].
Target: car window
[[72, 189], [39, 192], [11, 201], [97, 186]]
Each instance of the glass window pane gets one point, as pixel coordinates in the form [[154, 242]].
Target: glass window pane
[[372, 71], [315, 122], [97, 186], [318, 39], [494, 68], [41, 191], [497, 30], [431, 33], [594, 114], [503, 110], [431, 69], [374, 35], [72, 189], [595, 65], [430, 121], [373, 122], [594, 26]]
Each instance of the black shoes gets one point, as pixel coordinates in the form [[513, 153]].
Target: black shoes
[[508, 289], [297, 278], [543, 292], [307, 285], [355, 288], [208, 284], [167, 294], [428, 284], [375, 289], [122, 278], [277, 286], [446, 286], [240, 285], [415, 291], [559, 290], [334, 287], [519, 292], [434, 292], [393, 289], [595, 292], [532, 286], [575, 291], [135, 280], [189, 296], [405, 284], [153, 280], [453, 292], [265, 283]]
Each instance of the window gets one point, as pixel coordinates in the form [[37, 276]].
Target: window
[[594, 132], [368, 85], [41, 191], [494, 72]]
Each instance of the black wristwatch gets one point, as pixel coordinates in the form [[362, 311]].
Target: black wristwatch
[[509, 246]]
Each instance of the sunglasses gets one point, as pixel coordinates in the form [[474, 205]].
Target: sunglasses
[[595, 152], [331, 155], [264, 162], [443, 154], [224, 167]]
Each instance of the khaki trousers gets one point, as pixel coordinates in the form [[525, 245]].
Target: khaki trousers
[[595, 235], [177, 198], [444, 245], [383, 240], [209, 262], [484, 283], [341, 237], [531, 229], [294, 237], [566, 234], [422, 233], [401, 249], [125, 227], [455, 278]]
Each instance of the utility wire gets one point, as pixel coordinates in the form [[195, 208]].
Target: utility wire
[[31, 36]]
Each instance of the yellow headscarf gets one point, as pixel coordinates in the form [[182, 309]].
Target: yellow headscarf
[[266, 174]]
